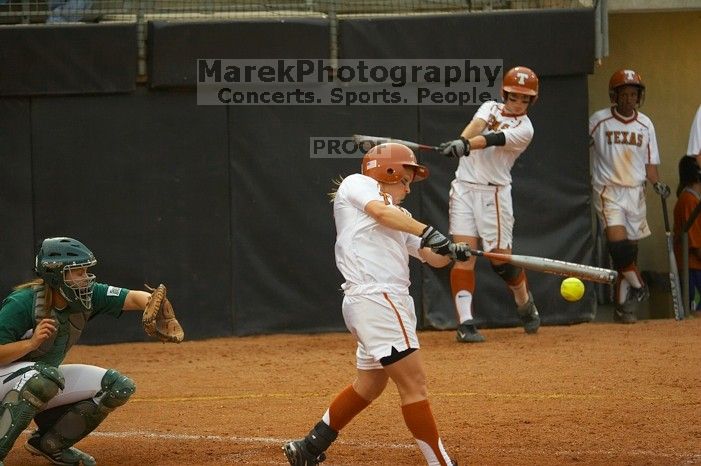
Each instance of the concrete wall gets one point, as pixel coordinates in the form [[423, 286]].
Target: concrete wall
[[664, 49]]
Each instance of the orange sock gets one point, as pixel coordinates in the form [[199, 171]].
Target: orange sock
[[344, 407], [419, 419], [462, 285]]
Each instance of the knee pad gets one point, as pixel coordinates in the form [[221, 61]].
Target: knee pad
[[63, 426], [624, 253], [509, 273], [20, 405], [116, 389]]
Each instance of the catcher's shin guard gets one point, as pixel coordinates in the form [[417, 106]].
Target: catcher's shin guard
[[20, 405], [61, 427]]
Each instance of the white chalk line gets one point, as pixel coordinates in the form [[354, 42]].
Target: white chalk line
[[301, 395], [142, 434]]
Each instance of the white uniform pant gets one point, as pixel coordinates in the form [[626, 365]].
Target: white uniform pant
[[380, 322], [482, 211], [82, 382], [622, 205]]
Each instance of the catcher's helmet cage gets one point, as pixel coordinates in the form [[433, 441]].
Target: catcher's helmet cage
[[626, 78], [59, 255], [384, 161], [520, 80]]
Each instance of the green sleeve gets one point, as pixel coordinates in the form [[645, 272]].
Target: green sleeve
[[16, 316], [108, 299]]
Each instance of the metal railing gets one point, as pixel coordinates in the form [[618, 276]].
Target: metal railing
[[58, 11], [141, 11]]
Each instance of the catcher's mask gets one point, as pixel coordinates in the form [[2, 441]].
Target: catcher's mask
[[384, 163], [626, 78], [57, 257]]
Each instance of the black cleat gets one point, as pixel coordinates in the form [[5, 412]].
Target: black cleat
[[298, 455], [68, 457], [529, 315], [468, 333]]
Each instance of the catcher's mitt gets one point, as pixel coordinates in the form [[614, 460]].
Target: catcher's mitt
[[159, 319]]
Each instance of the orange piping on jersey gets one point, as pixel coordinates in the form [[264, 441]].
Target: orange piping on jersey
[[399, 318], [496, 203], [622, 119], [649, 153], [597, 125]]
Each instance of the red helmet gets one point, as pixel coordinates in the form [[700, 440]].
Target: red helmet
[[384, 162], [626, 78], [520, 80]]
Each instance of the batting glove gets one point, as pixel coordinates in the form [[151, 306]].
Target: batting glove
[[460, 251], [662, 189], [457, 148], [439, 244]]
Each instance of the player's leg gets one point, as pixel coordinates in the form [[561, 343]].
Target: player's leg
[[91, 394], [363, 317], [515, 279], [462, 275], [462, 286], [407, 372], [695, 291], [310, 450], [623, 212], [27, 388], [496, 230], [629, 288]]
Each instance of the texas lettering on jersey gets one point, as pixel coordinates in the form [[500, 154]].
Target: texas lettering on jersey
[[624, 137]]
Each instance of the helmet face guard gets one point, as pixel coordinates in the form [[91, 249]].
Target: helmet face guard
[[385, 163], [56, 262]]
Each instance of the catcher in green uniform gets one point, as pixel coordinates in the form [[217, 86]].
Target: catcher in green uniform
[[39, 322]]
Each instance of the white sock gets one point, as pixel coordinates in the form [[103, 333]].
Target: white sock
[[623, 291], [463, 303], [632, 278]]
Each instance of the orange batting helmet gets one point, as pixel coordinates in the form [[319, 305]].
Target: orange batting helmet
[[626, 78], [520, 80], [384, 162]]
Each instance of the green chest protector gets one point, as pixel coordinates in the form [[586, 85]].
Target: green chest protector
[[76, 324]]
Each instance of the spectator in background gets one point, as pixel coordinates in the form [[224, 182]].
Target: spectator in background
[[694, 147], [68, 11], [623, 148], [688, 197]]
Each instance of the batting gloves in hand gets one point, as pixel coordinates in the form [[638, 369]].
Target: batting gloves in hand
[[460, 251], [457, 148], [439, 244], [662, 189]]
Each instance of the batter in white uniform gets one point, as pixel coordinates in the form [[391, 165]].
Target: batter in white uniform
[[374, 240], [480, 196]]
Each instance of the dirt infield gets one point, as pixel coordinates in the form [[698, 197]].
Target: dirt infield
[[598, 393]]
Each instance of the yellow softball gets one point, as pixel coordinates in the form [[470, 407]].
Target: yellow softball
[[572, 289]]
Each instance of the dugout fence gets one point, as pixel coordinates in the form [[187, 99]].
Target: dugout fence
[[224, 204], [141, 12]]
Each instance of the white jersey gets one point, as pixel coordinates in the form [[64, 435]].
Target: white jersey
[[492, 165], [694, 147], [371, 257], [621, 147]]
